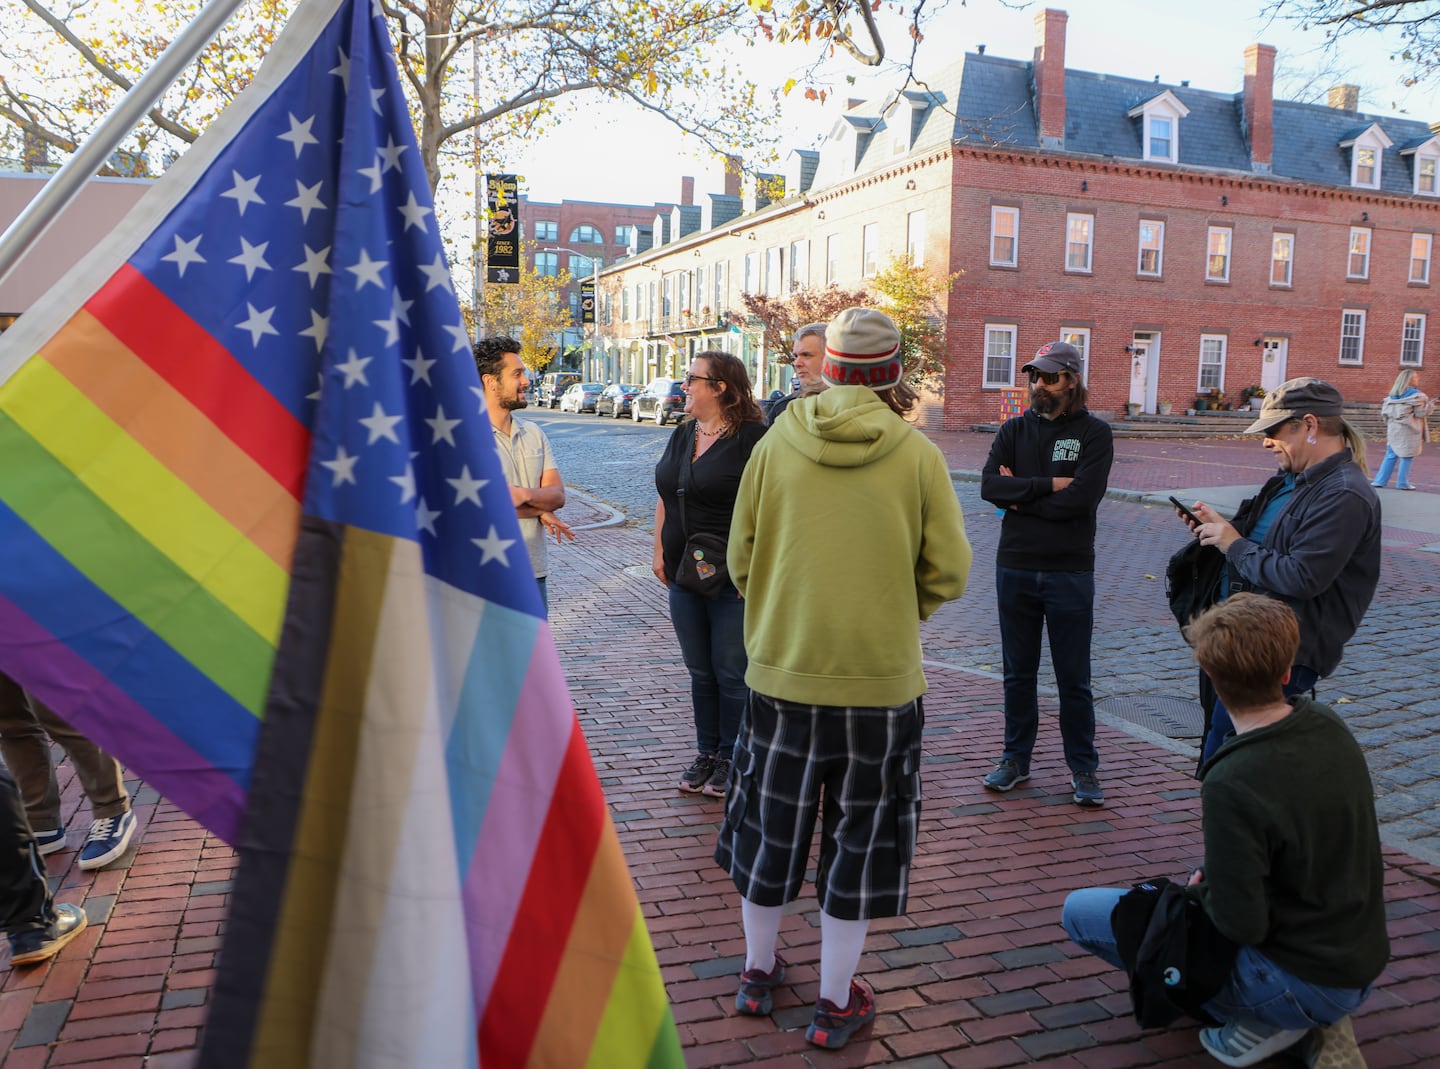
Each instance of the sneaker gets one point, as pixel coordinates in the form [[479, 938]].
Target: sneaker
[[50, 840], [1407, 487], [1006, 775], [107, 840], [31, 948], [719, 779], [833, 1026], [1331, 1047], [1239, 1044], [1087, 789], [698, 774], [753, 998]]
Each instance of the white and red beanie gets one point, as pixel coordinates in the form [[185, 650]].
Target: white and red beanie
[[862, 348]]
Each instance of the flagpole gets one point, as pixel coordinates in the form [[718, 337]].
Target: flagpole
[[67, 182]]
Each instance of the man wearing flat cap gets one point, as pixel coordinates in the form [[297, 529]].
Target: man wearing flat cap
[[1311, 537], [1047, 471]]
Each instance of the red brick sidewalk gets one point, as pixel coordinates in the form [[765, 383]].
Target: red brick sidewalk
[[979, 974]]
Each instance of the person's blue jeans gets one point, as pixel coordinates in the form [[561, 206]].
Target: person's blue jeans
[[1402, 475], [1062, 604], [1258, 991], [712, 642], [544, 596], [1301, 680]]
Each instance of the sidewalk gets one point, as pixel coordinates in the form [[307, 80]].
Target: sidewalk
[[979, 973]]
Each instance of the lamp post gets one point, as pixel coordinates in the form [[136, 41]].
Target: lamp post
[[595, 312]]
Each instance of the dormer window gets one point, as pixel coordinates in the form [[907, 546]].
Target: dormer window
[[1160, 126], [1425, 165], [1367, 150]]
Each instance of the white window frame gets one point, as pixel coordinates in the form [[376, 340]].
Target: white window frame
[[1211, 371], [752, 282], [1420, 248], [721, 281], [870, 250], [1086, 243], [1153, 142], [997, 213], [1365, 167], [1359, 247], [1227, 234], [832, 260], [799, 265], [1352, 330], [1167, 107], [1412, 341], [1427, 175], [1080, 338], [991, 373], [915, 238], [1278, 238], [1157, 246], [774, 271]]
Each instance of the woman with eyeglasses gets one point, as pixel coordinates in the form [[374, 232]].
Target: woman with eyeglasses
[[697, 479]]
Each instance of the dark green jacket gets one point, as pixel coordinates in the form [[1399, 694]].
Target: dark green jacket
[[1292, 851]]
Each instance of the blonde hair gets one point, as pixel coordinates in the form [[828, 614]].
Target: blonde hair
[[1402, 382]]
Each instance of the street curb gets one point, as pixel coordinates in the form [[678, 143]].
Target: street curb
[[613, 517]]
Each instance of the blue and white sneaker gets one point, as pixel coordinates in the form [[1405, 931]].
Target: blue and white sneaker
[[108, 839], [49, 840]]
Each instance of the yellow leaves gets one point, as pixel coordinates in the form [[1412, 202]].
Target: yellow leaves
[[790, 84]]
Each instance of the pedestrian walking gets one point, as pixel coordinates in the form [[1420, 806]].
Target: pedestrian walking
[[834, 719], [1292, 878], [1047, 471], [1405, 412], [1310, 537], [697, 479]]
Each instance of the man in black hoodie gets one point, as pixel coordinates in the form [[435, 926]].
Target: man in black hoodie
[[1047, 470]]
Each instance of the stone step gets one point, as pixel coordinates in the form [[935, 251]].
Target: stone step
[[1213, 424]]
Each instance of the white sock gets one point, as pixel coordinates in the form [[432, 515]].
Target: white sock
[[841, 944], [762, 931]]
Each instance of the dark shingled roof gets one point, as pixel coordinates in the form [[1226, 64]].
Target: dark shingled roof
[[990, 100]]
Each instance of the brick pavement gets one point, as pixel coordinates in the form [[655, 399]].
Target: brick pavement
[[978, 974]]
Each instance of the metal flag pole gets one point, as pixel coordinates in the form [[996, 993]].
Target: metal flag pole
[[67, 182]]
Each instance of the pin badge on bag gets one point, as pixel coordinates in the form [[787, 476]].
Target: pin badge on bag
[[703, 570]]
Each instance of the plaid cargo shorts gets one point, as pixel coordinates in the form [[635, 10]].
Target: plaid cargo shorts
[[865, 762]]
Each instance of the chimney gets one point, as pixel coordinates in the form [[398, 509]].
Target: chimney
[[734, 167], [1345, 98], [687, 190], [1050, 77], [1260, 105]]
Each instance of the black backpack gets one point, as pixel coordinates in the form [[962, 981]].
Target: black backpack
[[1192, 580]]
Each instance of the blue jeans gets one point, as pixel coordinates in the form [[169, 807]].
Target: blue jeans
[[1302, 679], [1402, 476], [544, 596], [1063, 604], [712, 642], [1258, 991]]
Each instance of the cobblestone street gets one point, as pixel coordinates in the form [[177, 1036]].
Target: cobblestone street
[[1383, 687]]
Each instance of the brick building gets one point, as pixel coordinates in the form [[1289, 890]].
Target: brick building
[[1187, 240]]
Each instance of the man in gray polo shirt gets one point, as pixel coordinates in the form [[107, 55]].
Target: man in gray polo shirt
[[529, 465]]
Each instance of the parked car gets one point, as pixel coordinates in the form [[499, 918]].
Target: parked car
[[581, 397], [552, 387], [659, 401], [615, 401]]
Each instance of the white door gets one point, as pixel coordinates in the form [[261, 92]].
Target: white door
[[1272, 366], [1144, 369]]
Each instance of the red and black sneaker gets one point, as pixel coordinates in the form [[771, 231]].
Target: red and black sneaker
[[833, 1026], [753, 998]]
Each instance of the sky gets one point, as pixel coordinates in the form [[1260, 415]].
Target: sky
[[614, 153]]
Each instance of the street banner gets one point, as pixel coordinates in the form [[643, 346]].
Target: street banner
[[587, 301], [502, 211]]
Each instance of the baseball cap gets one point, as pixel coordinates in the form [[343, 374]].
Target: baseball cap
[[1055, 356], [1296, 398]]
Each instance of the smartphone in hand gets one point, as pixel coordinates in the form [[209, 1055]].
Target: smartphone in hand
[[1190, 517]]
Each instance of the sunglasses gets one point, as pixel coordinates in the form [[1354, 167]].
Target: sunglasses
[[703, 378], [1049, 378], [1274, 432]]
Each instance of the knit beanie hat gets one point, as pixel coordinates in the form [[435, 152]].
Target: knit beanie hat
[[862, 348]]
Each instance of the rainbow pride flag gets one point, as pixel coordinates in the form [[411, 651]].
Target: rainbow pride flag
[[257, 543]]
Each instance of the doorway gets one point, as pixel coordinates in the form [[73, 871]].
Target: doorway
[[1272, 362], [1144, 369]]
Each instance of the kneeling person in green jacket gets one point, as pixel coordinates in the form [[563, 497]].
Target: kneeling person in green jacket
[[1293, 873], [833, 722]]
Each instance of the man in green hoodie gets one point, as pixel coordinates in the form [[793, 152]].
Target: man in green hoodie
[[846, 484]]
